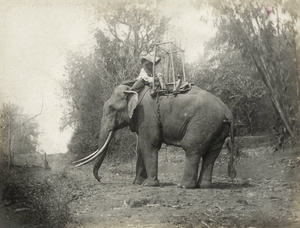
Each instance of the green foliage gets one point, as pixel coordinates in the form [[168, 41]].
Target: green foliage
[[127, 29], [85, 92], [223, 72], [122, 147], [23, 130], [132, 28], [264, 33]]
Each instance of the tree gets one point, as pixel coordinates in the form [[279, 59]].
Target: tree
[[132, 28], [127, 29], [19, 133], [223, 72], [264, 32], [85, 91]]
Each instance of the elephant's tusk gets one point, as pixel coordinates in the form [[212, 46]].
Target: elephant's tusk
[[85, 158], [89, 160], [96, 153]]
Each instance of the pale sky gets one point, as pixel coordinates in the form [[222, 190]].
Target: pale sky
[[34, 40]]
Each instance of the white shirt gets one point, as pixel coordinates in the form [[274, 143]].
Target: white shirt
[[143, 75]]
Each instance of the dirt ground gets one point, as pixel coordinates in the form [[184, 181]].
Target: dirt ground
[[265, 193]]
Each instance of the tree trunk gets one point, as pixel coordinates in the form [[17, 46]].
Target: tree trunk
[[9, 143], [272, 93], [266, 73]]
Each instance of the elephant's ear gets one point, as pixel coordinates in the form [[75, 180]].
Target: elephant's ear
[[132, 101]]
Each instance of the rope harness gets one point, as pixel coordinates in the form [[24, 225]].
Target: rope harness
[[158, 99], [158, 112]]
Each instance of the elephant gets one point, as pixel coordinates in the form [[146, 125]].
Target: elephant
[[196, 120]]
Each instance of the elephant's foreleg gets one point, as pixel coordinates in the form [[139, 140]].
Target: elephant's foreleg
[[189, 179], [150, 158], [209, 158], [141, 174]]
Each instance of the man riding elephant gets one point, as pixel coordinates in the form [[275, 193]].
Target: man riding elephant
[[146, 74]]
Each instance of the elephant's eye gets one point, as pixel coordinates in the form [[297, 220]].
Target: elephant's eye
[[111, 108]]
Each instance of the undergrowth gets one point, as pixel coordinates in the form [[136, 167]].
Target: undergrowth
[[39, 201]]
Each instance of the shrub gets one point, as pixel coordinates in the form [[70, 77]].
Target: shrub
[[44, 201]]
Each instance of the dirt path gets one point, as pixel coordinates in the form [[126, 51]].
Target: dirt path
[[263, 195]]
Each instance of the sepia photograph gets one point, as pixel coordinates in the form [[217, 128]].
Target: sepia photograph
[[150, 113]]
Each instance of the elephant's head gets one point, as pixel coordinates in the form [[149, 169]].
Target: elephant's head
[[117, 113]]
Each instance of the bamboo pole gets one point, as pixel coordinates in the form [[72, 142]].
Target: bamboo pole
[[183, 70], [172, 63], [153, 83], [168, 68]]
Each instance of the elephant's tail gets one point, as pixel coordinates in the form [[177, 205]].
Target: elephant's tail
[[230, 146], [232, 134]]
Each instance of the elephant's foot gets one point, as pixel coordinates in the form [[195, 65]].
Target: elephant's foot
[[185, 184], [205, 184], [139, 180], [151, 183]]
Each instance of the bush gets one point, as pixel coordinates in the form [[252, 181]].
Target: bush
[[43, 202]]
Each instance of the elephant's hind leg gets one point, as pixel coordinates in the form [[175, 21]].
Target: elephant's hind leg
[[208, 161], [209, 158], [189, 179]]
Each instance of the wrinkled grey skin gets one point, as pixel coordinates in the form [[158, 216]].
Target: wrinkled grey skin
[[197, 121]]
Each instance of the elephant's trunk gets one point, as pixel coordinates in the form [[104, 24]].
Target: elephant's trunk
[[102, 155], [98, 164]]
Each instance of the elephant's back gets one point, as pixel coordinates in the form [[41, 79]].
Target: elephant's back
[[203, 101]]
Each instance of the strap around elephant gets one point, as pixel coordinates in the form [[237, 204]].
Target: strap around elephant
[[142, 95]]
